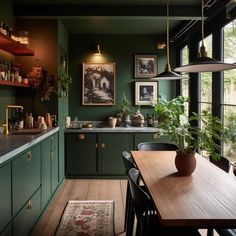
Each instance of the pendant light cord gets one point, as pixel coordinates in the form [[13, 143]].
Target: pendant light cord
[[202, 23], [167, 34]]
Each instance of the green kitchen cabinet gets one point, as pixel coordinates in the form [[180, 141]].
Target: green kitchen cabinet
[[7, 231], [81, 154], [26, 170], [110, 147], [54, 162], [27, 217], [147, 137], [49, 168], [5, 202], [96, 154]]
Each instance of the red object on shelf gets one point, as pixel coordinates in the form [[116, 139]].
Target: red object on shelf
[[15, 48], [9, 83]]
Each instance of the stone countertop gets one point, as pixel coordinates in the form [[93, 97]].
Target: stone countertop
[[11, 145], [130, 129]]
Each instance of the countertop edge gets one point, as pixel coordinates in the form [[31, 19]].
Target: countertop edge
[[27, 145]]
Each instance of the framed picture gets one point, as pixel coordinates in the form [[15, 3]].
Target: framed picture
[[145, 66], [145, 93], [98, 84]]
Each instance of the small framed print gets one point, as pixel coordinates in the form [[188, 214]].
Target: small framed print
[[145, 93], [145, 66], [98, 84]]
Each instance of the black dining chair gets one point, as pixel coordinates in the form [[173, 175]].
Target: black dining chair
[[147, 219], [129, 214], [154, 146], [222, 163]]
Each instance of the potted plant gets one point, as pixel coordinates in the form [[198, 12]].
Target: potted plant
[[64, 80], [188, 137], [125, 109]]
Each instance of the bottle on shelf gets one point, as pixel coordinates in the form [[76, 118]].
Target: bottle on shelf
[[149, 120]]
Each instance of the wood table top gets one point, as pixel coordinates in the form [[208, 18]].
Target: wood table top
[[205, 199]]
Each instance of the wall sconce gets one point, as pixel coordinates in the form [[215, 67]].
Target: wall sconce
[[98, 51], [161, 45]]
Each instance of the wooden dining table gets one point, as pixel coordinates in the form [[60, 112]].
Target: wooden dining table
[[206, 199]]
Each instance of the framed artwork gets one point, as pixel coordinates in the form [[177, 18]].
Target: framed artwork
[[98, 84], [145, 93], [145, 66]]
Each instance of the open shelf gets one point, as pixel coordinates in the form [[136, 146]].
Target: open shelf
[[15, 48], [9, 83]]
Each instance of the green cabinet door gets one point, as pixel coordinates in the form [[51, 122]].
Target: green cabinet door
[[25, 177], [27, 217], [54, 162], [7, 231], [46, 172], [147, 137], [5, 202], [110, 148], [81, 154]]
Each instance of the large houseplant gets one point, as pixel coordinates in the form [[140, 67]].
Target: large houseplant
[[186, 134]]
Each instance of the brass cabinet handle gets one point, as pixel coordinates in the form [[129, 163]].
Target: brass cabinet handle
[[96, 145], [52, 138], [103, 145], [81, 136], [29, 205], [155, 136], [52, 156], [29, 156]]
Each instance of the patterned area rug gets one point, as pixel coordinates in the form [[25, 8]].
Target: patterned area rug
[[87, 218]]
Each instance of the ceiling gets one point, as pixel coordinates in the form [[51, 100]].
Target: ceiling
[[117, 16]]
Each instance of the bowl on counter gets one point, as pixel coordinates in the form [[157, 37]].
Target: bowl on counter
[[87, 125]]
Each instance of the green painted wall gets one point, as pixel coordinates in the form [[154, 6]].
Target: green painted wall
[[119, 49]]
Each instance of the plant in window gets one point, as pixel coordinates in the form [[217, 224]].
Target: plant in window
[[188, 137]]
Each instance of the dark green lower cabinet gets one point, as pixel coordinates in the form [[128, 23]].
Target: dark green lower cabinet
[[54, 163], [81, 154], [25, 176], [27, 217], [5, 198], [7, 231], [110, 148], [96, 154]]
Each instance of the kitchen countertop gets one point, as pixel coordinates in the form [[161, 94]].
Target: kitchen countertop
[[11, 145], [130, 129]]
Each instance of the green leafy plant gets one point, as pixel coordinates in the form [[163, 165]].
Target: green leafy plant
[[125, 105], [65, 81], [180, 129]]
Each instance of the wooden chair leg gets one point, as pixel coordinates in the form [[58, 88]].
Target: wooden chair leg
[[210, 232]]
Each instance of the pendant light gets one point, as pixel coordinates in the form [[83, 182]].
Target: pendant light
[[167, 74], [203, 62]]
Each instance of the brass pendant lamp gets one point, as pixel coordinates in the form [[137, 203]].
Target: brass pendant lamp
[[168, 74], [204, 63]]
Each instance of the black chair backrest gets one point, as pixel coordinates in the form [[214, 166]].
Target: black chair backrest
[[141, 200], [127, 160], [153, 146], [222, 163]]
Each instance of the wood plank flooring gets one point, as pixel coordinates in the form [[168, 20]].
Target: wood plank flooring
[[85, 189]]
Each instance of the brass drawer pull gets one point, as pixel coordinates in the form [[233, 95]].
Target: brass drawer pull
[[155, 136], [52, 138], [29, 156], [29, 205], [52, 155], [81, 136], [103, 145]]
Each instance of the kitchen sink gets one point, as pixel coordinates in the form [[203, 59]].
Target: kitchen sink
[[27, 132]]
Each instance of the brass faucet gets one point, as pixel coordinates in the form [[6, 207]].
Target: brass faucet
[[7, 107]]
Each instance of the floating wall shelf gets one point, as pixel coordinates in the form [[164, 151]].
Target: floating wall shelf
[[9, 83], [13, 47]]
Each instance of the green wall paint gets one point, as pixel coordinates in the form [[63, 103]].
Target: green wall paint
[[121, 50]]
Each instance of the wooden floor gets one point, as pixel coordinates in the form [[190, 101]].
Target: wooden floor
[[83, 189]]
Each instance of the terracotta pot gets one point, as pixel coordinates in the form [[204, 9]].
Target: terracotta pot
[[185, 163]]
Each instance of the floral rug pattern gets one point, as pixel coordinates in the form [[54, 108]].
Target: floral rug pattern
[[87, 218]]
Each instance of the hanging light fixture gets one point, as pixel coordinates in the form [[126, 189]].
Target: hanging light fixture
[[203, 62], [98, 51], [167, 74]]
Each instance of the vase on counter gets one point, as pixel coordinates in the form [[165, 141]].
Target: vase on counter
[[137, 119], [127, 120]]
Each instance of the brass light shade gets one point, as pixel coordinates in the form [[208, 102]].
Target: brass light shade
[[167, 74], [204, 63]]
